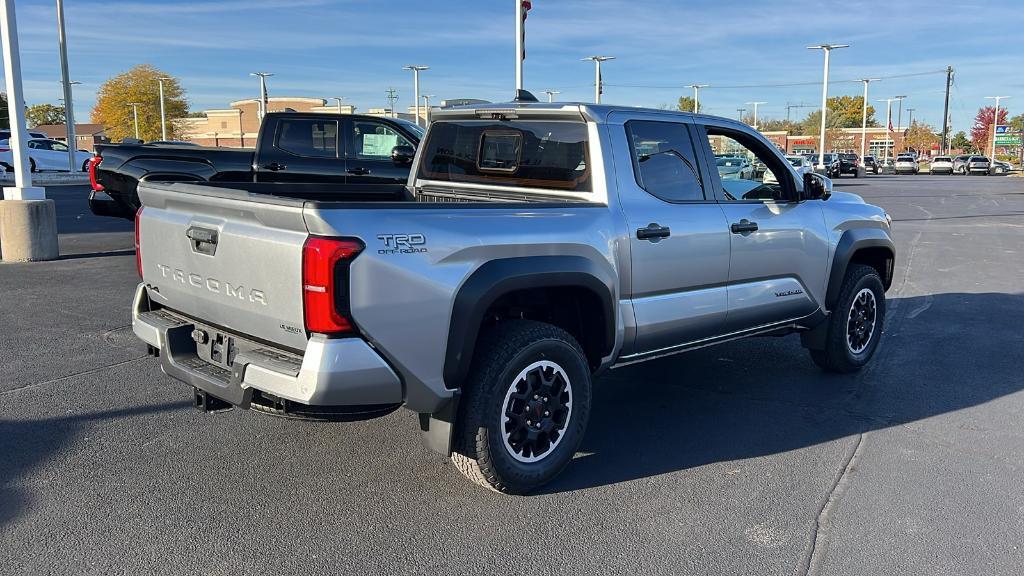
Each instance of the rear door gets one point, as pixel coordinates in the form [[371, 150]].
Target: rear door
[[779, 243], [679, 243], [301, 149], [225, 257], [369, 145]]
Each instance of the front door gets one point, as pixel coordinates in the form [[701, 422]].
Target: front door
[[679, 243], [779, 243]]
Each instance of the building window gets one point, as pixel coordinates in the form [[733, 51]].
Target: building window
[[223, 125], [881, 148]]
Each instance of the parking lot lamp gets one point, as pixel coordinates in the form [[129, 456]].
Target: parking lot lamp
[[135, 115], [163, 113], [416, 87], [426, 105], [995, 122], [69, 109], [827, 48], [551, 94], [899, 113], [888, 124], [864, 117], [756, 104], [741, 111], [263, 92], [339, 99], [597, 75], [696, 95]]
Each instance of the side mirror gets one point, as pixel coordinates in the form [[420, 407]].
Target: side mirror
[[816, 186], [402, 154]]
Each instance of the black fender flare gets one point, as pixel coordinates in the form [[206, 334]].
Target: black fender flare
[[498, 277], [849, 244]]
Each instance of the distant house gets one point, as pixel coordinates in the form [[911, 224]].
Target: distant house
[[86, 135]]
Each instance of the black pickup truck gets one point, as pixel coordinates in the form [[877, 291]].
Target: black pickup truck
[[368, 153]]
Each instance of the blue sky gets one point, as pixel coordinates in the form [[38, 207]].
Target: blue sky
[[356, 49]]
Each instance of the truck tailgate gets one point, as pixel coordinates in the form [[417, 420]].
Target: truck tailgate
[[226, 257]]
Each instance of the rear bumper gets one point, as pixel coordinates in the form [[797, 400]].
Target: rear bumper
[[330, 372]]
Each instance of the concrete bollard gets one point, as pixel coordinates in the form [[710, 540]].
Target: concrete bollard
[[28, 230]]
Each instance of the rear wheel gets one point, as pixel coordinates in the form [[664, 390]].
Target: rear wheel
[[855, 325], [85, 166], [32, 165], [524, 409]]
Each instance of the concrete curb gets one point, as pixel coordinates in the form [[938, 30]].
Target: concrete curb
[[50, 178]]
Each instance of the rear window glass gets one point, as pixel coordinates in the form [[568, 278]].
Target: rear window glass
[[549, 154]]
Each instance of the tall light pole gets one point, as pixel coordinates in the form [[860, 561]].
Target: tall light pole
[[864, 116], [426, 104], [696, 95], [339, 99], [899, 114], [597, 74], [69, 109], [995, 122], [416, 87], [135, 114], [551, 94], [888, 124], [756, 104], [263, 92], [827, 48], [163, 113], [741, 111]]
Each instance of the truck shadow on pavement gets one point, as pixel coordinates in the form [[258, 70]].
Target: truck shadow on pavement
[[26, 444], [757, 397]]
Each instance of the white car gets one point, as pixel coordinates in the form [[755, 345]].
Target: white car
[[45, 154], [941, 165], [906, 165], [799, 163]]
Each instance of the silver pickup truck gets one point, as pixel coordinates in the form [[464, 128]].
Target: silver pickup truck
[[538, 245]]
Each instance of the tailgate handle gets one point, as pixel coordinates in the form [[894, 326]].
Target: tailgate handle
[[204, 240]]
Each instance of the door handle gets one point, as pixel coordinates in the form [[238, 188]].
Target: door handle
[[653, 232], [274, 167], [743, 226], [358, 171]]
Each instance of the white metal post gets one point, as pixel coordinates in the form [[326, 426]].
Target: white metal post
[[23, 189], [597, 81], [416, 93], [827, 48], [995, 123], [519, 44], [864, 118], [135, 115], [69, 111], [163, 113], [756, 104], [696, 95]]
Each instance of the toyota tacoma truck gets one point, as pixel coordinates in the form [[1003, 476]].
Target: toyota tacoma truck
[[355, 152], [537, 246]]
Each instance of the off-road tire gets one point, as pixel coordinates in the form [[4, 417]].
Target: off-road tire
[[837, 355], [479, 449]]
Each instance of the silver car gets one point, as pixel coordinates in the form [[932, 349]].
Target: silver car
[[977, 165]]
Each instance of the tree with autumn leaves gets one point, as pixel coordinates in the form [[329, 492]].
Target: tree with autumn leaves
[[981, 132], [140, 84]]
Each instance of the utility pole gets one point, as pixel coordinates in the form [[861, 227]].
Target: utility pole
[[392, 96], [756, 104], [135, 114], [827, 48], [339, 99], [864, 117], [741, 111], [263, 92], [944, 148], [598, 83], [910, 124], [551, 94], [426, 104], [163, 113], [696, 95], [416, 87], [69, 112], [888, 124], [995, 123]]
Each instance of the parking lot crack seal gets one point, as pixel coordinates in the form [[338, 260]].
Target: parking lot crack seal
[[72, 375]]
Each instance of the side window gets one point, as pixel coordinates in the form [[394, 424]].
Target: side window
[[664, 163], [308, 137], [58, 146], [747, 169], [374, 140]]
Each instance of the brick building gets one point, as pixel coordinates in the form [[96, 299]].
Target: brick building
[[842, 140]]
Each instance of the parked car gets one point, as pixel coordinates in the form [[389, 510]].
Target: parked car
[[999, 167], [800, 164], [45, 154], [831, 163], [887, 166], [848, 163], [977, 165], [736, 168], [941, 165], [870, 164], [366, 153], [5, 134], [544, 247], [906, 165], [960, 164]]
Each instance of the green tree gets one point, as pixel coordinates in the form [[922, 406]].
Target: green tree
[[39, 114], [772, 125], [960, 141], [685, 104], [843, 112], [139, 85]]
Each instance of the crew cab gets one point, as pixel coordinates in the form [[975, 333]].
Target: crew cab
[[345, 151], [536, 246]]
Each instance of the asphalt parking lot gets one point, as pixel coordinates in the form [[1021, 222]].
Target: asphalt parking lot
[[737, 459]]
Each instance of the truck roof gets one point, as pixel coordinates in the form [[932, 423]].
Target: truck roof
[[585, 110]]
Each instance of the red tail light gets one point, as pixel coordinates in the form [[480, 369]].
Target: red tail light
[[138, 247], [94, 163], [325, 279]]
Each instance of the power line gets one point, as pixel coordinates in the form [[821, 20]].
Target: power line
[[782, 85]]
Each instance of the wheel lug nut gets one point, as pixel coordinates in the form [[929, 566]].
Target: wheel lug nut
[[545, 398], [529, 422], [535, 396], [546, 413]]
